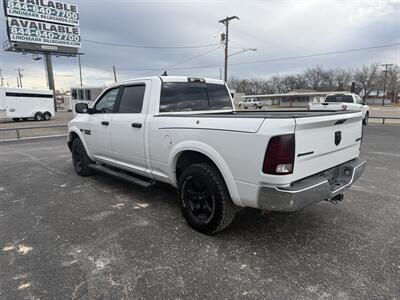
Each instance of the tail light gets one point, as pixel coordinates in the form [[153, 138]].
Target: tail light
[[344, 107], [279, 156]]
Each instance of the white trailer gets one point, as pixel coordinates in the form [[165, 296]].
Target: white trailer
[[22, 104], [68, 103], [84, 95]]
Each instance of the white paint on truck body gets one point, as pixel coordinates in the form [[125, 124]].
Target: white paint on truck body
[[235, 142]]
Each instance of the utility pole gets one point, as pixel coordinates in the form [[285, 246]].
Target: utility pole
[[50, 77], [226, 39], [20, 77], [384, 83], [80, 68], [115, 74], [17, 81], [1, 79]]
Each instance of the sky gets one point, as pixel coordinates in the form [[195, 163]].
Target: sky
[[277, 29]]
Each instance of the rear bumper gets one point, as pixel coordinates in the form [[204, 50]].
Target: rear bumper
[[322, 186]]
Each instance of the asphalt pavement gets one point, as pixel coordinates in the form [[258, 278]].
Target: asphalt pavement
[[67, 237]]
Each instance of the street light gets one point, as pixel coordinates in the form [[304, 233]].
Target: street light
[[242, 51]]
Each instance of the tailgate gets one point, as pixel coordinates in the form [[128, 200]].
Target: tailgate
[[325, 106], [325, 141]]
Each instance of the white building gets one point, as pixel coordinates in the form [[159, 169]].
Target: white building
[[293, 98]]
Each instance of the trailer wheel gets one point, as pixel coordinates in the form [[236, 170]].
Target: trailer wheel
[[46, 116], [38, 116], [204, 198]]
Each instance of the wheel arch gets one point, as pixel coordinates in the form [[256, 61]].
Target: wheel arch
[[202, 153], [76, 133]]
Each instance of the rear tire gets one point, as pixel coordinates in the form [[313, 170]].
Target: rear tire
[[204, 199], [38, 116], [46, 116], [80, 159], [16, 119], [365, 120]]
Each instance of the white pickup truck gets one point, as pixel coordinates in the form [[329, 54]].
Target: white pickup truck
[[184, 132], [345, 102]]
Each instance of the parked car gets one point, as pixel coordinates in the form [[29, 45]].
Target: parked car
[[250, 103], [185, 132], [345, 102], [22, 104]]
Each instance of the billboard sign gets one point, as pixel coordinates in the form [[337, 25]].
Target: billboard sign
[[43, 10], [29, 31]]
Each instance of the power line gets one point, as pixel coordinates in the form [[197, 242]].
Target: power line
[[318, 54], [171, 67], [193, 57], [148, 46], [335, 52]]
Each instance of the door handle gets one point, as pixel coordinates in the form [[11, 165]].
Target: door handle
[[136, 125], [105, 123]]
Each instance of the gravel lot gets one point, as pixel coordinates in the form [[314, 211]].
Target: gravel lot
[[67, 237]]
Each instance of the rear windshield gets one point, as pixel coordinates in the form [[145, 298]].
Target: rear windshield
[[339, 98], [184, 96]]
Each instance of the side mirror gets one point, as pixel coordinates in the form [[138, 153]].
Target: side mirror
[[82, 108]]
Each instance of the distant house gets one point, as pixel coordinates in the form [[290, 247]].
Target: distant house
[[376, 97], [293, 98]]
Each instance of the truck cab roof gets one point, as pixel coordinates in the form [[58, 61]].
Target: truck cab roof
[[170, 79]]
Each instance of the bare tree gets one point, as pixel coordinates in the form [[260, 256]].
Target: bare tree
[[366, 78], [342, 78], [314, 77], [393, 81], [277, 84]]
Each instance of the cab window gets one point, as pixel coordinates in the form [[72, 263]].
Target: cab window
[[106, 103], [132, 99]]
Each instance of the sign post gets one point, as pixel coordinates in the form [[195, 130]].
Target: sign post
[[50, 77]]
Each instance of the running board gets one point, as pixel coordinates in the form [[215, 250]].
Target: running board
[[123, 176]]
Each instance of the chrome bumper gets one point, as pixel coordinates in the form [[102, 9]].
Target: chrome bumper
[[322, 186]]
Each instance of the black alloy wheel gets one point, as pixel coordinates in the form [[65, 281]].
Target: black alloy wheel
[[199, 198], [205, 201], [80, 160]]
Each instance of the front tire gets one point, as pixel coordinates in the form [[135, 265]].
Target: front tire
[[204, 199], [80, 159], [365, 120]]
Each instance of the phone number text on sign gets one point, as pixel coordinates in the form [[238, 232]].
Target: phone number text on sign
[[43, 33], [62, 13]]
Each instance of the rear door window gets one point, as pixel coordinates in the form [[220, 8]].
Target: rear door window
[[132, 99]]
